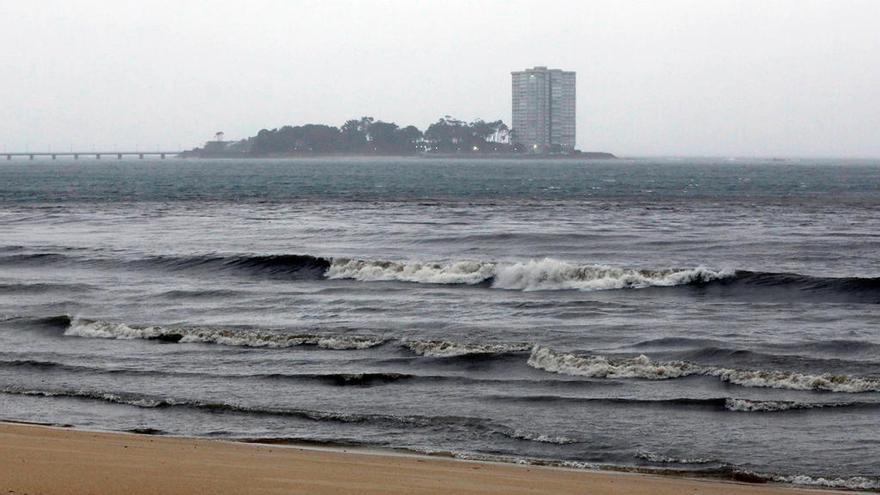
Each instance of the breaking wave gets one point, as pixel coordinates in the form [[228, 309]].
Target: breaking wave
[[463, 272], [546, 274], [445, 348], [546, 359], [851, 483], [662, 459], [244, 338], [549, 274], [748, 405]]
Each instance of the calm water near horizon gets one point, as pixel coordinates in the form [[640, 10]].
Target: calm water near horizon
[[703, 315]]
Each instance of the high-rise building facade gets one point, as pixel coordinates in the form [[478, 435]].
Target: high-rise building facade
[[544, 109]]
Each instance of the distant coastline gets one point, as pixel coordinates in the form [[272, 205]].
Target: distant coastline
[[578, 155], [448, 138]]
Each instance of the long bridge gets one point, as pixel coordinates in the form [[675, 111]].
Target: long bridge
[[96, 154]]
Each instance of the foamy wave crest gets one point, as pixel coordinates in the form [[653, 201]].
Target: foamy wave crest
[[445, 348], [545, 274], [106, 330], [550, 274], [547, 359], [641, 366], [346, 342], [747, 405], [137, 401], [243, 338], [541, 438], [462, 272], [854, 483], [662, 459], [796, 381]]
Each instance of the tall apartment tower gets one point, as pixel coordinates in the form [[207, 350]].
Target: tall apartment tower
[[544, 109]]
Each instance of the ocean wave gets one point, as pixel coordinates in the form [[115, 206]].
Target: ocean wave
[[851, 483], [46, 365], [749, 405], [42, 287], [641, 366], [550, 274], [715, 403], [445, 348], [243, 338], [662, 459], [357, 379], [407, 421], [722, 471], [152, 402], [365, 379], [33, 258], [346, 342], [545, 274], [287, 264], [541, 437], [463, 272], [124, 399]]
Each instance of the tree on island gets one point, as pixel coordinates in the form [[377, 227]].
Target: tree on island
[[370, 136], [450, 135]]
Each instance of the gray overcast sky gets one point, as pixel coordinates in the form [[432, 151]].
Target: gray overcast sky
[[730, 78]]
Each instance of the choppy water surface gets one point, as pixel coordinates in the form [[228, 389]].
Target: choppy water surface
[[698, 315]]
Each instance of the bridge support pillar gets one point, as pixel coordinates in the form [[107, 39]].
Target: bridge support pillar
[[9, 157], [97, 156], [76, 157], [163, 156], [141, 156], [54, 156], [119, 156], [32, 157]]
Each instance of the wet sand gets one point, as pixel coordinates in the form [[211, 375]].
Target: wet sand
[[38, 460]]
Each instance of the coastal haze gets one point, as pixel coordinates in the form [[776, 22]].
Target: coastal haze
[[729, 78], [477, 280]]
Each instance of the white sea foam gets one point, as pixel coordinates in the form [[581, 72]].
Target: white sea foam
[[445, 348], [658, 458], [540, 437], [545, 274], [223, 336], [550, 274], [463, 272], [853, 483], [579, 465], [747, 405], [601, 367], [796, 381], [345, 342], [642, 367], [106, 330]]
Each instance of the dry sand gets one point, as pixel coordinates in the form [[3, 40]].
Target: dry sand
[[37, 460]]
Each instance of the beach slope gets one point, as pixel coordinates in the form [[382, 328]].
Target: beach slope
[[37, 460]]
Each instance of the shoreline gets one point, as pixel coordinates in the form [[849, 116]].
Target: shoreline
[[584, 155], [39, 459]]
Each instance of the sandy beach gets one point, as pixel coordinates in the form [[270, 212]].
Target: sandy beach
[[38, 460]]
